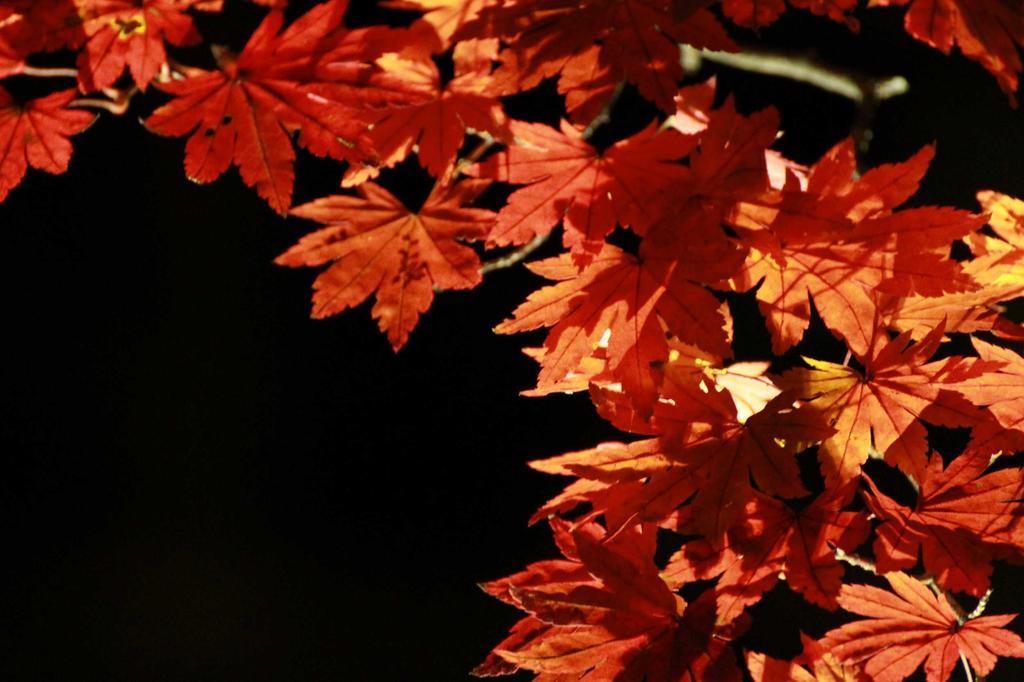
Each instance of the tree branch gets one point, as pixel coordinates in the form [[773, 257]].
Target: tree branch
[[850, 84], [864, 90]]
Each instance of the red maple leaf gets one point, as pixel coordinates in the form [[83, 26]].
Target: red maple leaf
[[730, 164], [36, 134], [839, 242], [567, 179], [115, 34], [882, 407], [377, 245], [768, 539], [987, 31], [37, 25], [627, 484], [960, 521], [704, 452], [311, 78], [589, 84], [622, 302], [436, 125], [643, 480], [914, 626], [760, 449], [1000, 388], [637, 38], [604, 613]]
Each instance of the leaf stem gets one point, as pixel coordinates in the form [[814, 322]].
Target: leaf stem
[[967, 667]]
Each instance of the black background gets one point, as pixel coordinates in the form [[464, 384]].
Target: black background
[[199, 482]]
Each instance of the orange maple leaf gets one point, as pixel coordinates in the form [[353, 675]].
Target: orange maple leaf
[[568, 179], [445, 16], [999, 386], [377, 245], [605, 613], [961, 520], [621, 302], [839, 242], [882, 407], [914, 626], [823, 666], [768, 539], [436, 124], [638, 38]]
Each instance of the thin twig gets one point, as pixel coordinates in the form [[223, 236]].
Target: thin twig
[[516, 256], [856, 560], [117, 105], [115, 108], [48, 72], [486, 142]]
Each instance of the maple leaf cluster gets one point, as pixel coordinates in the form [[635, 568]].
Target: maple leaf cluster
[[755, 472], [719, 473], [720, 469], [373, 96]]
